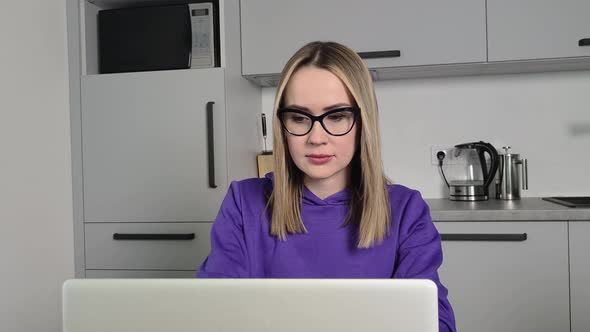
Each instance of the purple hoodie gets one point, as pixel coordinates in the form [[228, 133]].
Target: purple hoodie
[[242, 247]]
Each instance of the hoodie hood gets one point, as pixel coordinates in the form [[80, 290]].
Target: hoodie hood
[[309, 198]]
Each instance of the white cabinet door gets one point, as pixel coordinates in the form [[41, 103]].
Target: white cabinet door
[[145, 146], [425, 32], [537, 29], [580, 275], [498, 281]]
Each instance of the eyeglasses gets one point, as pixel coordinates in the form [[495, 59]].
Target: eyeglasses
[[337, 122]]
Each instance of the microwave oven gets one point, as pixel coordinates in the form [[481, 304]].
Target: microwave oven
[[158, 38]]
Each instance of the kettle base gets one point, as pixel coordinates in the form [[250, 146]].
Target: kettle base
[[468, 193], [468, 198]]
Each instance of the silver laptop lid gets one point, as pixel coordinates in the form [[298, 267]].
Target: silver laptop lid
[[249, 305]]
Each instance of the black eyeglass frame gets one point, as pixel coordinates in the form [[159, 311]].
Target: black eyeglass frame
[[320, 118]]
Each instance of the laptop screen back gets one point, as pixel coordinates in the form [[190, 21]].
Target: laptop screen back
[[249, 305]]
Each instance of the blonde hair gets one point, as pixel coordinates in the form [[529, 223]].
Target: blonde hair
[[369, 207]]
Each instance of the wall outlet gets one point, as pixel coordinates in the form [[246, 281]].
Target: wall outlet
[[448, 151]]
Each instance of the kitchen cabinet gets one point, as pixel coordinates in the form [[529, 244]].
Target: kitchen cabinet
[[505, 282], [580, 275], [434, 38], [154, 146], [537, 29], [153, 152], [425, 32], [146, 246]]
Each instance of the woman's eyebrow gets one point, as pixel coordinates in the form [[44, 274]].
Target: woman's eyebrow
[[302, 108]]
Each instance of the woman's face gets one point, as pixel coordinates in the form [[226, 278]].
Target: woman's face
[[319, 155]]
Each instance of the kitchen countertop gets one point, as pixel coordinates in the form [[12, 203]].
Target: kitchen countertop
[[525, 209]]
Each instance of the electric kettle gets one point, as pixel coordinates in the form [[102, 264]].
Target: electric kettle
[[469, 172]]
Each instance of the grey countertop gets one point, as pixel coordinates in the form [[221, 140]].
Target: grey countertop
[[525, 209]]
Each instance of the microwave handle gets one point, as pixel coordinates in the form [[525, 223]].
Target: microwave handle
[[210, 145]]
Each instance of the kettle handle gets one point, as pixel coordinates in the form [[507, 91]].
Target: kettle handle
[[489, 148], [493, 162]]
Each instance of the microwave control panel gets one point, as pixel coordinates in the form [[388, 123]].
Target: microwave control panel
[[203, 49]]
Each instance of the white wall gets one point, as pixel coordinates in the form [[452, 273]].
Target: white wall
[[36, 237], [545, 117]]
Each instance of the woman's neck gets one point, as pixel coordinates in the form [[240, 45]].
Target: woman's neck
[[323, 188]]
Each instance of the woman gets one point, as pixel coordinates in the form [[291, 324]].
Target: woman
[[327, 211]]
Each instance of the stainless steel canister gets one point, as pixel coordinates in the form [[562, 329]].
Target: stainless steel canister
[[510, 178]]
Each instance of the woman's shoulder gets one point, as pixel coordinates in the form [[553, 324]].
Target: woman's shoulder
[[400, 191], [401, 196], [410, 215], [251, 193], [250, 186]]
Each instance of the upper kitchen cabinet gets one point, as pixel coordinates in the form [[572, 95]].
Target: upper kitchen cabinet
[[388, 34], [537, 29], [154, 146]]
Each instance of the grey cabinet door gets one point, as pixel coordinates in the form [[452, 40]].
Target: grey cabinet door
[[146, 246], [537, 29], [508, 285], [424, 31], [580, 275], [145, 146]]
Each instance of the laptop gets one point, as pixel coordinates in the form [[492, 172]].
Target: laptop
[[250, 305]]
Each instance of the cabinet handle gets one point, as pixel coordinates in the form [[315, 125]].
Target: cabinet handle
[[380, 54], [127, 236], [210, 145], [485, 237], [525, 176], [584, 42]]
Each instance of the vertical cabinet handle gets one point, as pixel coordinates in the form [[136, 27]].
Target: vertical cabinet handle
[[584, 42], [525, 175], [380, 54], [210, 145]]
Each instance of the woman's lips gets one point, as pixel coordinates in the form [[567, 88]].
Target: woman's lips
[[319, 159]]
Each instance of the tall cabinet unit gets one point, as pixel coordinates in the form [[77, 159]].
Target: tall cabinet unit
[[580, 274], [153, 153]]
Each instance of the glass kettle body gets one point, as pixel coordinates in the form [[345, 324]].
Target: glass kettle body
[[472, 171]]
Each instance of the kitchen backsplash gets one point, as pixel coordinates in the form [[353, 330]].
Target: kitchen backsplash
[[544, 117]]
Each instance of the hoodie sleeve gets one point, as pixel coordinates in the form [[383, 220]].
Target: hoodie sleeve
[[228, 257], [420, 254]]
